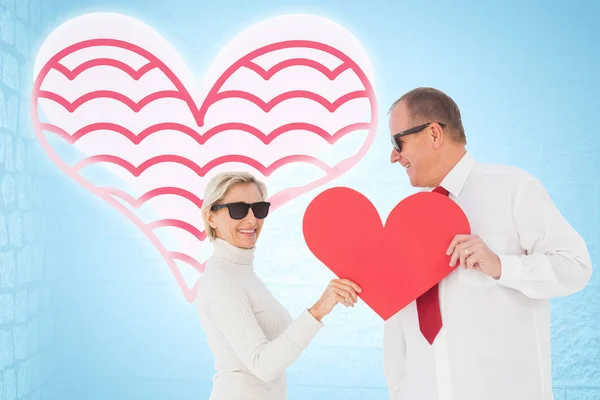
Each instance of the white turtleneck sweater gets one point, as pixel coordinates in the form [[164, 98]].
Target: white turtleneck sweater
[[250, 334]]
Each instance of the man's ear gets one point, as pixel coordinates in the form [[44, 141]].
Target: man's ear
[[437, 135]]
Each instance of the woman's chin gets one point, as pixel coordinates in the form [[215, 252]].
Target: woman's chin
[[246, 241]]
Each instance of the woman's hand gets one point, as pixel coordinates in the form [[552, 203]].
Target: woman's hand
[[341, 291]]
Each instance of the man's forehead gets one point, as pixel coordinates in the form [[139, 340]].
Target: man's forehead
[[398, 116]]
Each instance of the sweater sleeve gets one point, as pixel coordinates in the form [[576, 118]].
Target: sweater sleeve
[[231, 311]]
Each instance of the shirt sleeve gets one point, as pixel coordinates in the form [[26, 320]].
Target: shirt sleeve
[[232, 313], [394, 357], [556, 260]]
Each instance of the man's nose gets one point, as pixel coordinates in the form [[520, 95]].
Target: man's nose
[[395, 156]]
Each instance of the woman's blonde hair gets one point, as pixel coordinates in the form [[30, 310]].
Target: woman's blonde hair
[[218, 188]]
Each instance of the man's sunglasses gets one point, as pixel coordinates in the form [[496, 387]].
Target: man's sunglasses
[[240, 210], [397, 143]]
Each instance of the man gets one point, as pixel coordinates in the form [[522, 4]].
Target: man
[[494, 340]]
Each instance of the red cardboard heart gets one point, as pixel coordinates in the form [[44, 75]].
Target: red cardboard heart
[[394, 264]]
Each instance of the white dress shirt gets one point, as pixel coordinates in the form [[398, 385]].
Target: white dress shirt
[[495, 340]]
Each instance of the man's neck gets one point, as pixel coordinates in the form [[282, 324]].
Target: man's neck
[[449, 161]]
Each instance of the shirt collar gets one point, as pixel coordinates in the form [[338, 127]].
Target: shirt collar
[[456, 178]]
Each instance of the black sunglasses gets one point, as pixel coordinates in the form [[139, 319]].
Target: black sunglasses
[[398, 143], [240, 210]]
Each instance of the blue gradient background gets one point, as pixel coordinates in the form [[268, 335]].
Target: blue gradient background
[[88, 309]]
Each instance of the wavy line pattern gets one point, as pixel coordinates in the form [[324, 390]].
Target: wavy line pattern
[[167, 190], [105, 62], [198, 266], [139, 73], [296, 62], [200, 171], [292, 94], [245, 61], [176, 223], [202, 138], [109, 94], [229, 94]]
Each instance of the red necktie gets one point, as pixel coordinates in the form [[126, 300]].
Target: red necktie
[[428, 304]]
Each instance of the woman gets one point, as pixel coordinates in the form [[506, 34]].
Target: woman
[[251, 336]]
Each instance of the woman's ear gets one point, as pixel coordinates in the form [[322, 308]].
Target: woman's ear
[[210, 217]]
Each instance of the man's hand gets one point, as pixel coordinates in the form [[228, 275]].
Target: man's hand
[[473, 253]]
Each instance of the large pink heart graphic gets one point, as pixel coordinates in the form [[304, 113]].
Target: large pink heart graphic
[[290, 100]]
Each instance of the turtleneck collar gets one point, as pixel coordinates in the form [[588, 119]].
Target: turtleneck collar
[[236, 255]]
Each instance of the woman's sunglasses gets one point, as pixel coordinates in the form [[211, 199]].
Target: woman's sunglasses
[[239, 210]]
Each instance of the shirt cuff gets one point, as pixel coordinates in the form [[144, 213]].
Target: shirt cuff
[[304, 329], [510, 268]]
